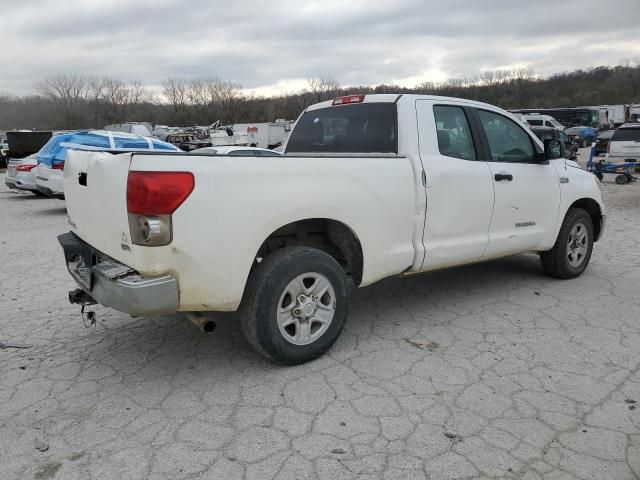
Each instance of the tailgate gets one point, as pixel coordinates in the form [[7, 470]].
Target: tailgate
[[627, 148], [625, 142], [95, 187]]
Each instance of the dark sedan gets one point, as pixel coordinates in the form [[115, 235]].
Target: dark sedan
[[602, 141], [187, 142]]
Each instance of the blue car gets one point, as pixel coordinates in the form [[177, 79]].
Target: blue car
[[51, 157], [583, 136]]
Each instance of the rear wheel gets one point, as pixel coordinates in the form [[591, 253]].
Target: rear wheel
[[296, 305], [572, 251]]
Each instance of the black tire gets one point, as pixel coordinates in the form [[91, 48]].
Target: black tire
[[599, 175], [555, 262], [263, 293], [621, 179]]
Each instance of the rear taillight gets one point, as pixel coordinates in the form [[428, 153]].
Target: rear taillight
[[25, 168], [151, 199], [58, 166], [157, 193], [348, 100]]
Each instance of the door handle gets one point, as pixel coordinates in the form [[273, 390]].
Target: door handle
[[503, 176]]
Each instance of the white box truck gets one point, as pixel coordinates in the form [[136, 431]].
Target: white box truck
[[265, 135]]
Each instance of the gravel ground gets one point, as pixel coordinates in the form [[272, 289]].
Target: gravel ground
[[488, 371]]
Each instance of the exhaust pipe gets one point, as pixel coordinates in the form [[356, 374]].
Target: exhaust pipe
[[203, 323]]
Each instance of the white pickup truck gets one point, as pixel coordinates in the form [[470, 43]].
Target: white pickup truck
[[369, 187]]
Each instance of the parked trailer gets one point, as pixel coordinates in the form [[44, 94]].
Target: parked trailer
[[616, 114], [265, 135]]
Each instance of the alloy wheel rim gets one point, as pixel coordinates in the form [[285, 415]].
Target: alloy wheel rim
[[577, 245], [306, 308]]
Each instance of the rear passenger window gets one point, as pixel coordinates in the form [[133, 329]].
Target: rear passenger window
[[626, 135], [454, 135]]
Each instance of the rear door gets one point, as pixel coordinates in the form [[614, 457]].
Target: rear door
[[458, 184], [625, 143], [527, 191]]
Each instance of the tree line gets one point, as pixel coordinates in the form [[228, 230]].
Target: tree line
[[70, 101]]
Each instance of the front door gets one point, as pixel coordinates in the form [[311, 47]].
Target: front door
[[527, 191]]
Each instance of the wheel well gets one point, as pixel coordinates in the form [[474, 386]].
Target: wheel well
[[330, 236], [593, 209]]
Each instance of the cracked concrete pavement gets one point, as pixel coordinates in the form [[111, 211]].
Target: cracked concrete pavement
[[487, 371]]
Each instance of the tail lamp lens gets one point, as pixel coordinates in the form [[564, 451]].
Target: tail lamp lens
[[58, 166], [157, 193], [25, 168], [152, 197]]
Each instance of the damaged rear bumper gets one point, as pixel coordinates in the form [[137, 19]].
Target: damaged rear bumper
[[115, 285]]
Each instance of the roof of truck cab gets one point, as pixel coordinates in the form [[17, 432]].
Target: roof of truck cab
[[397, 97]]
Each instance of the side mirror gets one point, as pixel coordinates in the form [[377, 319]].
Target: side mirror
[[552, 149]]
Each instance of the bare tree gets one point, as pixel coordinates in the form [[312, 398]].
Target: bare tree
[[69, 92], [175, 91], [96, 87], [223, 97], [323, 88]]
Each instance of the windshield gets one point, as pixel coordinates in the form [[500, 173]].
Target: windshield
[[626, 135], [357, 128]]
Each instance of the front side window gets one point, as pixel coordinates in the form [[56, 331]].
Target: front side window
[[454, 136], [357, 128], [508, 142], [535, 123]]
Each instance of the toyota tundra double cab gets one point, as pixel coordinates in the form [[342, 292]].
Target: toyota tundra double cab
[[369, 186]]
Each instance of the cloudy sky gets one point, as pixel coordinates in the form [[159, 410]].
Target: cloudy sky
[[273, 46]]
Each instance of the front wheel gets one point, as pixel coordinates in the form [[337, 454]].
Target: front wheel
[[572, 251], [296, 304]]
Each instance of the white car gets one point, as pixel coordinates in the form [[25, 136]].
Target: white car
[[536, 120], [369, 186], [4, 148], [624, 145], [20, 174], [49, 180], [237, 151]]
